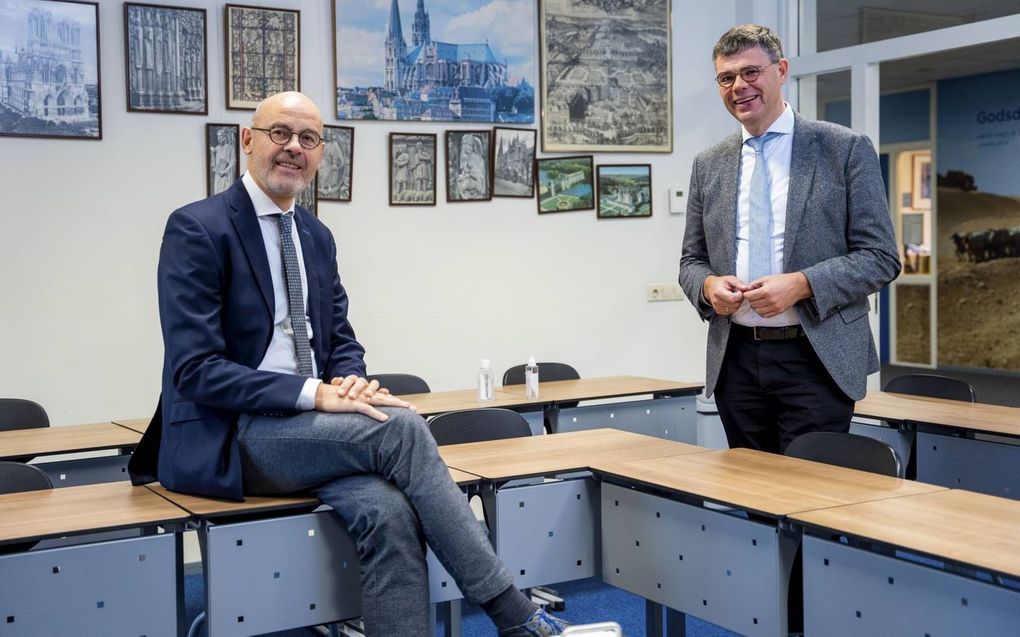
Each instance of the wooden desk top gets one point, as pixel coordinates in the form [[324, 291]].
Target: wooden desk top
[[603, 387], [68, 439], [762, 482], [213, 507], [33, 515], [557, 453], [135, 424], [458, 400], [994, 419], [972, 528]]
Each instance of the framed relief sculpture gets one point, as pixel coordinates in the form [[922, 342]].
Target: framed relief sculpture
[[606, 76], [262, 52], [309, 198], [337, 166], [49, 69], [412, 169], [513, 162], [467, 165], [222, 156], [565, 184], [625, 190], [166, 59]]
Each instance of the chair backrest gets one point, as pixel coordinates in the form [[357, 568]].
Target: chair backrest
[[400, 384], [476, 425], [18, 413], [932, 386], [546, 372], [847, 450], [16, 477]]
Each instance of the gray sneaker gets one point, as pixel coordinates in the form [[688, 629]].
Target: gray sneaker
[[540, 624]]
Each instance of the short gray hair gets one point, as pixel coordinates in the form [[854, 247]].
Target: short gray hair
[[746, 36]]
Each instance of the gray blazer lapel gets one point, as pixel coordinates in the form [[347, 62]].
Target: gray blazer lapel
[[728, 166], [802, 172]]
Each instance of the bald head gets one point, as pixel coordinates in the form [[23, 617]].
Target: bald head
[[287, 100]]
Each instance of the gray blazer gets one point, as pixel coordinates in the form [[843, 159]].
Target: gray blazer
[[838, 233]]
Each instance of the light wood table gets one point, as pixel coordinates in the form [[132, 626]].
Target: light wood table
[[435, 403], [21, 443], [603, 387], [954, 414], [882, 591], [135, 424]]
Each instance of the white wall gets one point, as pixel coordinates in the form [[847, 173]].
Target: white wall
[[433, 289]]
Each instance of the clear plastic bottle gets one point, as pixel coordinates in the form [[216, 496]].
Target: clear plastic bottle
[[531, 379], [485, 381]]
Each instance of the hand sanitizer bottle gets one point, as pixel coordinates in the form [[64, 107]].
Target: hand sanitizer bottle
[[485, 381], [531, 379]]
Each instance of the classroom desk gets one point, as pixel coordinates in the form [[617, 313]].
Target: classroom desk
[[135, 424], [958, 444], [124, 587], [20, 444], [441, 402], [859, 578], [706, 534]]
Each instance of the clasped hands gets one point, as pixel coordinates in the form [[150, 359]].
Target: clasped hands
[[769, 296], [353, 394]]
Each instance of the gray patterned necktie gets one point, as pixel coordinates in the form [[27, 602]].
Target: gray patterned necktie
[[759, 241], [295, 295]]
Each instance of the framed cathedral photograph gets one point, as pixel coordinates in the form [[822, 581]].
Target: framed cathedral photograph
[[49, 69], [263, 53], [222, 156], [309, 197], [606, 77], [565, 184], [624, 190], [388, 65], [166, 59], [513, 162], [412, 169], [337, 166], [467, 165]]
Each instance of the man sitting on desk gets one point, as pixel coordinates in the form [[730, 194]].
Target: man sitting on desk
[[254, 317]]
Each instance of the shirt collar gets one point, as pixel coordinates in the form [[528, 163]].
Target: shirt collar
[[783, 124], [264, 206]]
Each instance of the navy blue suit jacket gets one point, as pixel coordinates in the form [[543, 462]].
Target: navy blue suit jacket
[[216, 312]]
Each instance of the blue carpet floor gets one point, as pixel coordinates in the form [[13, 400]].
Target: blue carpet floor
[[588, 600]]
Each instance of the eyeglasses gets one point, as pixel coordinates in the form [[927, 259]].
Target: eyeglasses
[[749, 74], [281, 135]]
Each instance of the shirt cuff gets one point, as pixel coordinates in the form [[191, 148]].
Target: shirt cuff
[[306, 401]]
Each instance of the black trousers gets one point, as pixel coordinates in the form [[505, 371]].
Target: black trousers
[[770, 392]]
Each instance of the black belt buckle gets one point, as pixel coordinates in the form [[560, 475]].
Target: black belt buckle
[[785, 333]]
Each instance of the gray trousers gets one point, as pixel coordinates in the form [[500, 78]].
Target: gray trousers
[[391, 489]]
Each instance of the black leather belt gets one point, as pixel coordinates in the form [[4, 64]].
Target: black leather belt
[[759, 333]]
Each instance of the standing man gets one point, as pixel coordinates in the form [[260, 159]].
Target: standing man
[[254, 319], [788, 232]]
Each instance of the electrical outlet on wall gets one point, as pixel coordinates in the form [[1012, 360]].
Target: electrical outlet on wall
[[664, 292]]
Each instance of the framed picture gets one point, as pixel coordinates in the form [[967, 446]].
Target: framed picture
[[166, 59], [412, 169], [606, 76], [565, 184], [482, 71], [920, 191], [625, 190], [336, 170], [513, 162], [263, 53], [467, 165], [49, 69], [309, 197], [222, 156]]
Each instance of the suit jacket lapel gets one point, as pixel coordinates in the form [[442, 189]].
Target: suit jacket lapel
[[247, 225], [802, 172], [309, 253], [729, 179]]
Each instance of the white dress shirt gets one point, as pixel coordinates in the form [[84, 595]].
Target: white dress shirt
[[778, 151], [280, 355]]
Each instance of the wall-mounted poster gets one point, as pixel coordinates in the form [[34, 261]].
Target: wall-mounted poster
[[222, 156], [467, 165], [49, 69], [337, 165], [625, 190], [263, 53], [412, 169], [469, 61], [920, 191], [166, 59], [513, 162], [606, 76], [565, 184]]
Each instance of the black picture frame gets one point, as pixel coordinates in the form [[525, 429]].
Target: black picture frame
[[412, 169], [166, 59], [69, 104], [336, 170], [468, 174], [560, 188], [624, 191], [245, 87], [513, 162], [222, 158]]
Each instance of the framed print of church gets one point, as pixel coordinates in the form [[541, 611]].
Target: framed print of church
[[472, 63]]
